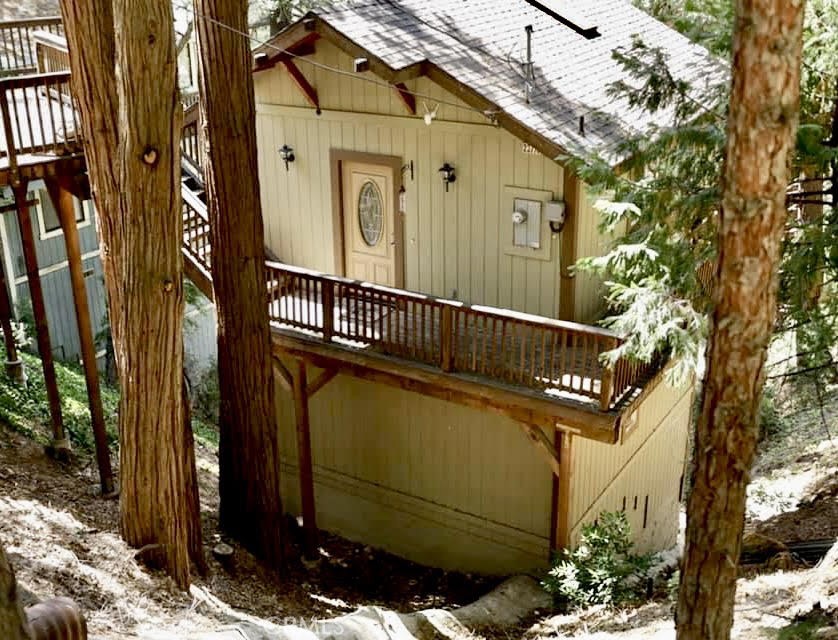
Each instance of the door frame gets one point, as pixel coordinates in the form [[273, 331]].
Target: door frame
[[336, 159]]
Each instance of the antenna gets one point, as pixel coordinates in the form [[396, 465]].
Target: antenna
[[529, 75]]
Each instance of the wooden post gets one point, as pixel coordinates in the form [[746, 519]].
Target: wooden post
[[14, 366], [446, 338], [606, 383], [304, 461], [563, 486], [64, 204], [60, 442], [328, 304]]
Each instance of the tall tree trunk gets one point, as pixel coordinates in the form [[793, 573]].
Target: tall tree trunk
[[13, 624], [761, 124], [251, 507], [131, 123]]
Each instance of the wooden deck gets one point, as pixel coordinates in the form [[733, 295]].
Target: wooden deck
[[40, 125], [557, 360]]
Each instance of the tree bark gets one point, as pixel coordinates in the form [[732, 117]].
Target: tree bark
[[251, 507], [760, 135], [131, 120], [13, 625]]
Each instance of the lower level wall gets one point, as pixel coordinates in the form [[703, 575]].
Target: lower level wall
[[435, 482], [641, 476]]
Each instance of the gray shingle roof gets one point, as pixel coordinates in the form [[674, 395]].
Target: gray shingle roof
[[482, 44]]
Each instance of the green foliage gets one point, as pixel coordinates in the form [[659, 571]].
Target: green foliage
[[665, 200], [804, 629], [26, 409], [602, 569], [771, 421], [206, 395]]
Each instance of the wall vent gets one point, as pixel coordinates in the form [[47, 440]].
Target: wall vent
[[563, 11]]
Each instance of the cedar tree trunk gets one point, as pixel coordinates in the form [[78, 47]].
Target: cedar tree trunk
[[760, 136], [13, 624], [127, 96], [251, 507]]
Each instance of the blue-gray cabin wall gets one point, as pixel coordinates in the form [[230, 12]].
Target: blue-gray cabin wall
[[55, 274], [199, 325]]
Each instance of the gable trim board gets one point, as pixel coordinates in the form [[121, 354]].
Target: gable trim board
[[494, 114]]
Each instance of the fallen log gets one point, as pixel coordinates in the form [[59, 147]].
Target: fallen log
[[810, 551]]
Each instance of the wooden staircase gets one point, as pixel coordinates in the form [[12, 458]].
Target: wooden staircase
[[196, 230]]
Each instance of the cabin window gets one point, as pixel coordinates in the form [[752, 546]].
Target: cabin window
[[48, 222], [370, 213]]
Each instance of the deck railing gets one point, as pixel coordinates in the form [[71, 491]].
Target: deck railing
[[551, 356], [51, 52], [38, 116], [17, 43]]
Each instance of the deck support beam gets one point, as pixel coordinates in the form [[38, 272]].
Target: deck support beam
[[304, 461], [561, 495], [322, 380], [60, 443], [283, 375], [60, 191]]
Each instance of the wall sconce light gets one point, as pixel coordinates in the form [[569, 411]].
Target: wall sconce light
[[402, 200], [448, 175], [286, 154]]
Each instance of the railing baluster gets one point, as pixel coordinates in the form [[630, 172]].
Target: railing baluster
[[328, 303]]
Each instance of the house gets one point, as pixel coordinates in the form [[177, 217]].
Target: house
[[413, 150], [441, 392], [36, 45]]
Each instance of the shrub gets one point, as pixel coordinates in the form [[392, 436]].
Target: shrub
[[602, 569]]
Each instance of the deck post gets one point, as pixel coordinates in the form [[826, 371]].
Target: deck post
[[63, 201], [446, 338], [60, 442], [304, 461], [328, 304], [606, 383], [14, 365], [562, 487]]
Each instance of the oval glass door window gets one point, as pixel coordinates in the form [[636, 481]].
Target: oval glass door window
[[370, 213]]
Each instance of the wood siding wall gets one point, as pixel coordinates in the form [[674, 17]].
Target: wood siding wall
[[641, 476], [454, 242], [436, 482], [429, 480]]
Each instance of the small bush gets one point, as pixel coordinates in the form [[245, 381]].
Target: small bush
[[602, 569], [206, 395]]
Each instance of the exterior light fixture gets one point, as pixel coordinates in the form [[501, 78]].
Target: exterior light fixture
[[286, 154], [448, 175], [402, 200]]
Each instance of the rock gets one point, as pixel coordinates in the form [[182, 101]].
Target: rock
[[505, 606], [367, 623], [781, 562], [827, 633], [436, 624], [758, 545]]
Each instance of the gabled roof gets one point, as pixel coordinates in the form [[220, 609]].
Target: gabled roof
[[479, 46]]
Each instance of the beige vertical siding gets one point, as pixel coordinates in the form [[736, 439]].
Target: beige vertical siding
[[433, 481], [455, 241], [647, 467]]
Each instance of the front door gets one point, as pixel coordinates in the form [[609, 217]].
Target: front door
[[369, 223]]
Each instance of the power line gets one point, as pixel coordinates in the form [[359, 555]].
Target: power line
[[489, 113]]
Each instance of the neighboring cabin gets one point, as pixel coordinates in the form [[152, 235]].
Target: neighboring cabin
[[377, 100]]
